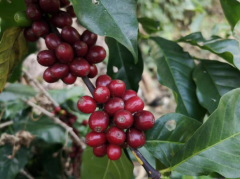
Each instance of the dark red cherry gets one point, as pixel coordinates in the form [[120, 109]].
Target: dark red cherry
[[96, 54], [80, 67], [89, 38], [34, 12], [29, 2], [80, 48], [103, 80], [46, 58], [69, 79], [114, 152], [128, 94], [57, 109], [64, 53], [52, 41], [70, 35], [86, 104], [135, 138], [59, 70], [134, 104], [29, 35], [61, 19], [144, 120], [48, 77], [99, 121], [117, 88], [70, 10], [40, 28], [115, 136], [94, 139], [100, 151], [123, 119], [101, 94], [50, 6], [93, 71], [85, 122], [64, 3], [113, 105]]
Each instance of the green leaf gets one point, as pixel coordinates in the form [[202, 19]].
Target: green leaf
[[13, 47], [121, 58], [95, 168], [7, 11], [175, 71], [228, 49], [168, 135], [10, 167], [12, 108], [149, 25], [17, 91], [219, 78], [214, 147], [116, 19]]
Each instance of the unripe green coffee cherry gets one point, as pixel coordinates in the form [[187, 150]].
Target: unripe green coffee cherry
[[21, 19]]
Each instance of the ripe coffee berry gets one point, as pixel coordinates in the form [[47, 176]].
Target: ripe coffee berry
[[29, 35], [117, 88], [85, 122], [61, 19], [114, 152], [64, 53], [96, 54], [52, 41], [144, 120], [101, 94], [128, 94], [94, 139], [70, 10], [103, 80], [134, 104], [135, 138], [64, 3], [46, 58], [48, 77], [34, 12], [99, 121], [70, 35], [80, 48], [93, 71], [69, 79], [40, 28], [59, 70], [123, 119], [86, 104], [115, 136], [89, 38], [100, 151], [113, 105], [50, 6], [57, 109], [80, 67]]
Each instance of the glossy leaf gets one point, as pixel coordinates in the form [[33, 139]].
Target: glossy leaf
[[218, 77], [13, 47], [169, 134], [175, 71], [214, 147], [116, 19], [149, 25], [94, 167], [121, 58], [228, 49]]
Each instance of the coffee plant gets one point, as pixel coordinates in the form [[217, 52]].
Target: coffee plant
[[69, 134]]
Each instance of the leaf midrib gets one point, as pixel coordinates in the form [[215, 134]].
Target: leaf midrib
[[162, 141]]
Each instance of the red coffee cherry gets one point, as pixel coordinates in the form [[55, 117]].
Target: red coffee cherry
[[46, 58], [114, 152], [59, 70], [103, 80], [64, 3], [86, 104], [135, 138], [144, 120], [57, 109], [85, 122], [29, 35], [70, 35], [40, 28], [113, 105], [69, 79], [80, 48], [29, 2], [89, 38], [80, 67], [100, 151], [61, 19], [117, 88], [128, 94], [64, 53], [134, 104], [50, 6], [34, 12], [48, 77], [99, 121], [93, 71], [52, 41], [96, 54], [123, 119], [101, 94], [94, 139], [115, 136], [70, 10]]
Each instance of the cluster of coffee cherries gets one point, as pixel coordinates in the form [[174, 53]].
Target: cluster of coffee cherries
[[122, 121], [69, 55]]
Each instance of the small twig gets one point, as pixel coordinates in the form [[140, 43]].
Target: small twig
[[23, 172], [59, 122], [29, 76], [5, 124]]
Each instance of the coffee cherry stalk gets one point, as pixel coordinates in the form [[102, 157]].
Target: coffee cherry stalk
[[121, 120]]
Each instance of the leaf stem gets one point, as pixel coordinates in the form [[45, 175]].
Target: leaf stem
[[165, 170]]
